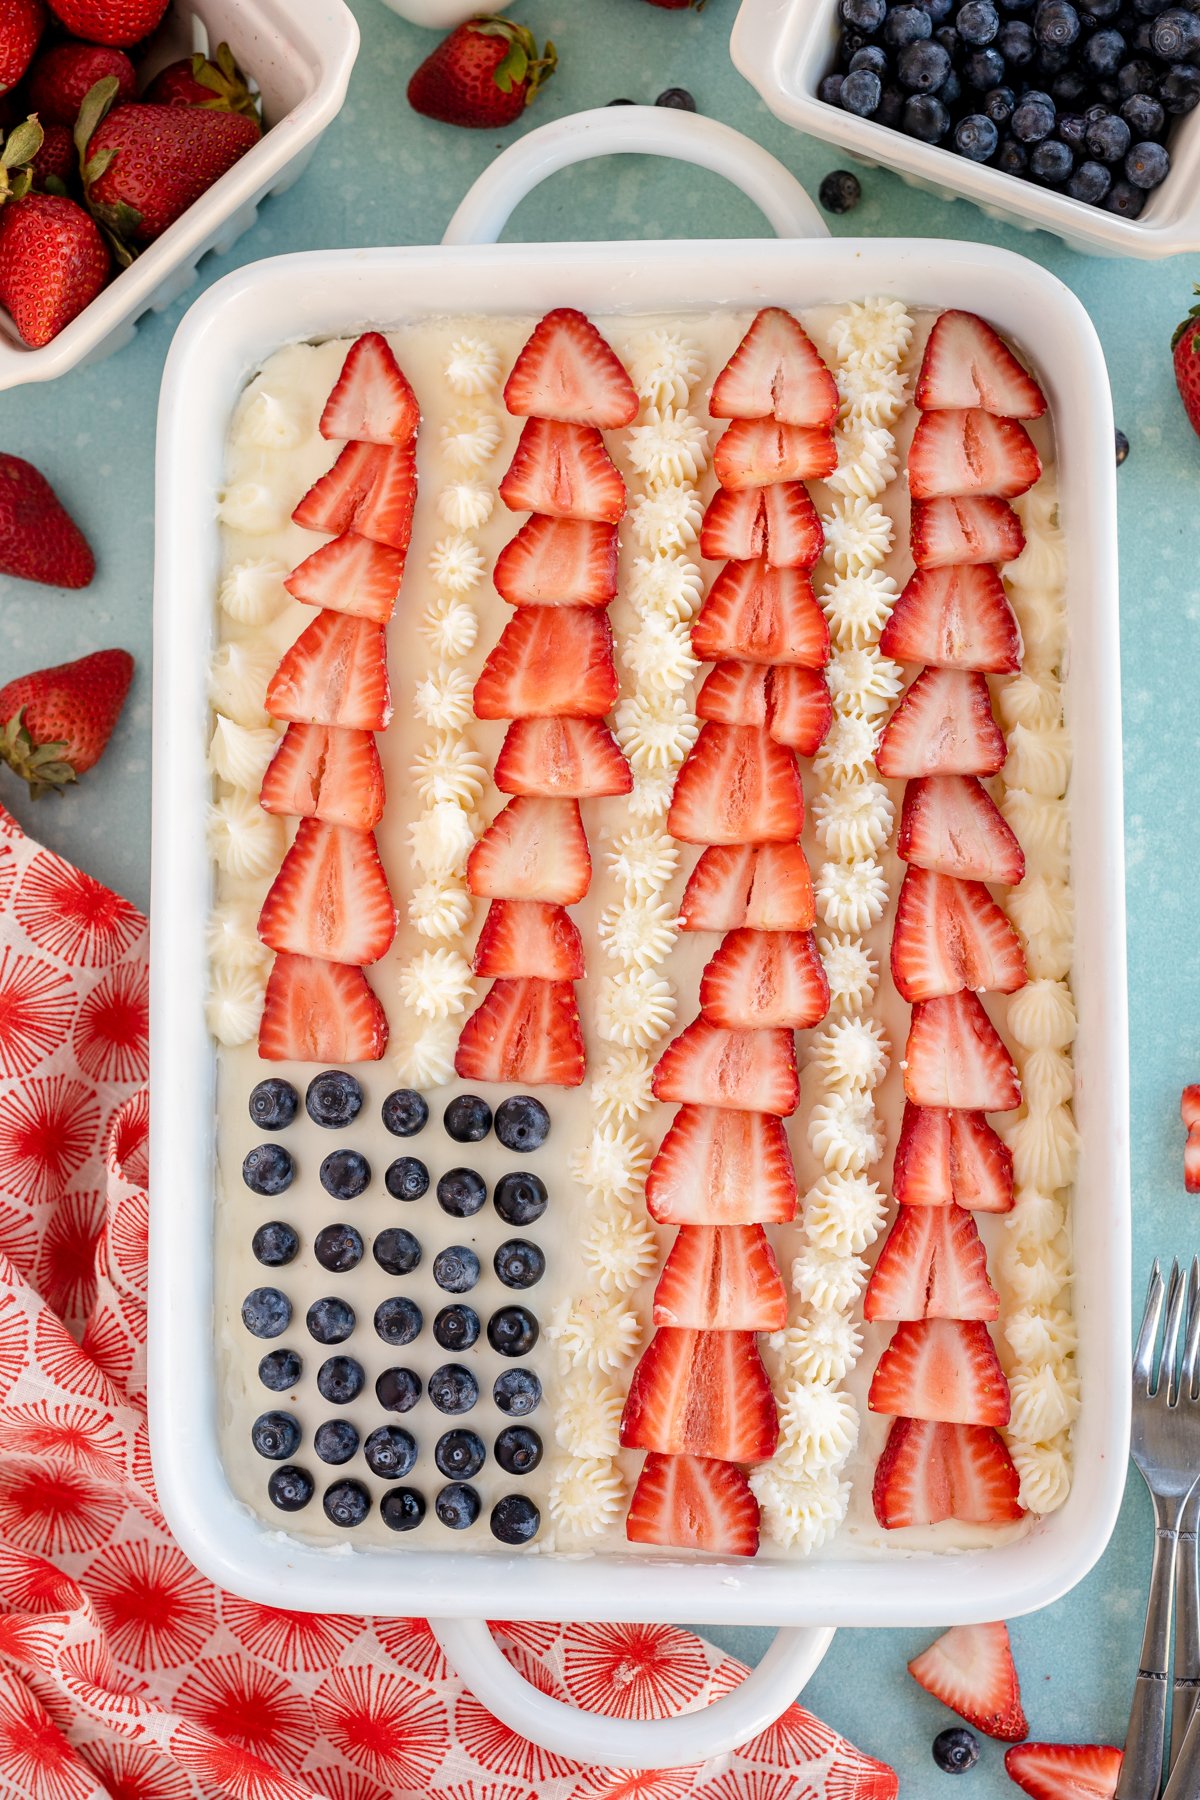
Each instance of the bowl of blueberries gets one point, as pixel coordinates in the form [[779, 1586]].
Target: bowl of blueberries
[[1070, 115]]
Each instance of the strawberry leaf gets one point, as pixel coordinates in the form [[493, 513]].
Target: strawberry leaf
[[24, 142], [97, 104], [512, 70]]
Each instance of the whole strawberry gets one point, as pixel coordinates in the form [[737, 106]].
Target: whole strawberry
[[1186, 348], [54, 165], [216, 83], [53, 260], [63, 76], [21, 29], [39, 540], [55, 723], [484, 74], [109, 21]]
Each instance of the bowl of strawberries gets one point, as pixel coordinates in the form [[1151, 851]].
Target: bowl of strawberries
[[135, 136]]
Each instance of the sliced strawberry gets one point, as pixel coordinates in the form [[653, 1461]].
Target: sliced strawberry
[[721, 1278], [734, 693], [550, 660], [932, 1266], [929, 1472], [568, 371], [751, 1071], [943, 725], [319, 773], [576, 757], [701, 1393], [371, 489], [558, 562], [946, 1158], [971, 452], [534, 850], [764, 615], [955, 1057], [777, 523], [945, 1369], [758, 979], [977, 528], [372, 401], [970, 1669], [528, 937], [330, 899], [1191, 1162], [1064, 1771], [950, 823], [334, 674], [737, 786], [958, 618], [718, 888], [775, 372], [693, 1503], [320, 1012], [967, 363], [716, 1167], [1189, 1105], [756, 453], [768, 889], [801, 709], [949, 935], [525, 1031], [350, 574], [564, 471]]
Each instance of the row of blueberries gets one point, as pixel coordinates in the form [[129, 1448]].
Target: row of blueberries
[[456, 1269], [391, 1451], [268, 1170], [453, 1389], [514, 1518], [334, 1100], [511, 1331]]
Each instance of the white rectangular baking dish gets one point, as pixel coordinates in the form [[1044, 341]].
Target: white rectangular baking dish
[[220, 344]]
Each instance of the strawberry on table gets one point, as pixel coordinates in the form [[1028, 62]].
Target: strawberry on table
[[967, 363], [350, 574], [951, 824], [529, 937], [1064, 1771], [24, 22], [950, 935], [693, 1502], [757, 453], [759, 979], [956, 1058], [330, 899], [334, 674], [323, 773], [55, 723], [320, 1012], [215, 83], [970, 1669], [1190, 1109], [64, 74], [946, 1158], [559, 562], [577, 758], [371, 490], [975, 528], [930, 1471], [750, 1071], [371, 400], [942, 1369], [568, 371], [550, 661], [779, 523], [775, 372], [756, 613], [1185, 356], [564, 471], [524, 1031], [737, 786], [39, 540], [932, 1266], [720, 1167], [535, 849], [943, 725], [484, 74], [721, 1278], [701, 1393], [53, 260], [971, 452]]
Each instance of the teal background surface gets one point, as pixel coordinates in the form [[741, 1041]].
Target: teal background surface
[[384, 176]]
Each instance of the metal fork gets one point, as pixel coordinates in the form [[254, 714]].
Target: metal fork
[[1186, 1684]]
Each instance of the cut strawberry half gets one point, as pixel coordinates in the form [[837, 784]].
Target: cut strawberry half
[[756, 453], [1189, 1105], [929, 1472], [372, 401], [975, 529], [330, 898], [558, 562], [721, 1278], [350, 574], [944, 1369], [955, 1057], [565, 472], [759, 979], [948, 1158], [579, 758], [967, 363], [701, 1393], [534, 850], [943, 725], [768, 889], [801, 708], [949, 935], [320, 1012], [970, 1669], [775, 372], [751, 1071], [319, 773], [334, 674], [971, 452], [957, 618], [950, 824], [716, 1167], [371, 489], [734, 693], [1191, 1162], [550, 660], [760, 614], [779, 523], [693, 1503], [526, 1031], [932, 1266], [737, 786], [1064, 1771], [527, 937], [568, 371]]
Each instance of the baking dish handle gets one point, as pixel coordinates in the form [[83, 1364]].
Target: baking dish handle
[[626, 131], [687, 1738]]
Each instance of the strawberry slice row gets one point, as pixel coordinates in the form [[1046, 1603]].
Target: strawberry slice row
[[329, 912]]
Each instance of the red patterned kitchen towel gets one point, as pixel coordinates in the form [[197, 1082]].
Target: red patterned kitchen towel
[[124, 1675]]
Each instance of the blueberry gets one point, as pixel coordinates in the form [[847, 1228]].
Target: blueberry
[[1107, 138], [925, 118], [922, 67], [678, 98], [1055, 24], [1051, 161], [290, 1489], [407, 1178], [1015, 42], [984, 69], [338, 1248], [1070, 88], [1033, 117], [275, 1244], [1180, 89], [1122, 444], [518, 1450], [398, 1390], [513, 1331], [1146, 165], [517, 1392], [1101, 9], [840, 191], [456, 1269], [334, 1099], [520, 1199], [978, 21], [1104, 53], [267, 1169], [273, 1104], [457, 1506], [1144, 117], [456, 1328], [998, 105], [453, 1389], [976, 137], [1072, 129], [871, 56], [519, 1264], [620, 103], [404, 1113], [864, 15], [461, 1192], [330, 1320], [398, 1320], [402, 1509], [906, 25], [280, 1370], [391, 1452], [1137, 77], [890, 110], [955, 1750], [396, 1251], [948, 38], [861, 93], [515, 1519], [275, 1435], [829, 89], [346, 1503], [336, 1441], [1012, 156], [937, 9], [459, 1454], [1175, 35], [1108, 93], [345, 1174], [1125, 200], [340, 1380], [849, 42], [266, 1312], [950, 92], [467, 1119], [1090, 182]]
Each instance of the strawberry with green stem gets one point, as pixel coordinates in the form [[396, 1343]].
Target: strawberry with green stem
[[53, 260], [55, 723], [216, 84], [483, 75]]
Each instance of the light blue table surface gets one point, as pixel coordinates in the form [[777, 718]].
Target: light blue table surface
[[384, 176]]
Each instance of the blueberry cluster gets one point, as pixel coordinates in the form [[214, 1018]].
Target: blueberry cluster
[[1080, 98]]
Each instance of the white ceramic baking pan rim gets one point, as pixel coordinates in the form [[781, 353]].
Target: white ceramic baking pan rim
[[223, 339]]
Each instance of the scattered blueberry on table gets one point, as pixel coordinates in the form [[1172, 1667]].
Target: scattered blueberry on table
[[677, 97], [840, 191], [1122, 447], [334, 1099], [955, 1750]]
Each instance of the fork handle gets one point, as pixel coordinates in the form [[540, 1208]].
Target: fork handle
[[1187, 1633], [1142, 1768]]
